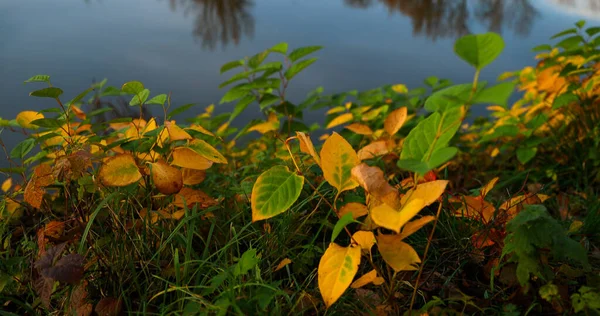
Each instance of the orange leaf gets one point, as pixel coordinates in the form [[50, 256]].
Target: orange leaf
[[342, 119], [395, 120], [192, 176], [364, 279], [411, 227], [357, 210], [187, 158], [176, 132], [307, 147], [34, 191], [6, 185], [193, 197], [360, 129], [374, 149], [54, 229], [167, 179], [282, 264]]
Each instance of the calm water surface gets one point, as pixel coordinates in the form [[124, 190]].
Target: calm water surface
[[178, 45]]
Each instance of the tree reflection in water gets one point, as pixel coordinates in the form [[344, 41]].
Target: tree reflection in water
[[219, 20], [448, 18]]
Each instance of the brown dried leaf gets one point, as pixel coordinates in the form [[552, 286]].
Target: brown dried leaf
[[43, 287], [373, 181], [374, 149], [193, 197], [109, 306], [54, 229]]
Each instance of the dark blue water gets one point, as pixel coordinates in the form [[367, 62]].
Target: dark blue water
[[178, 46]]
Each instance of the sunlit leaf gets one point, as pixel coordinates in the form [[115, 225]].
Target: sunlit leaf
[[176, 132], [364, 279], [342, 119], [119, 170], [400, 88], [392, 219], [274, 192], [280, 48], [394, 121], [396, 253], [360, 129], [337, 269], [187, 158], [412, 226], [282, 264], [167, 179], [374, 149], [25, 118], [365, 239], [207, 151], [6, 185], [337, 160], [357, 209], [272, 124], [193, 197]]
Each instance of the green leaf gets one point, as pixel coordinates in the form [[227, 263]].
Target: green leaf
[[280, 48], [564, 99], [246, 263], [257, 59], [50, 92], [48, 122], [235, 93], [501, 131], [13, 170], [231, 65], [140, 98], [430, 136], [38, 78], [542, 48], [267, 100], [593, 30], [234, 78], [449, 97], [158, 99], [79, 96], [111, 91], [580, 24], [296, 68], [570, 42], [441, 156], [180, 109], [431, 81], [565, 32], [341, 223], [526, 154], [479, 50], [498, 94], [132, 87], [302, 51], [274, 192], [22, 149], [241, 106]]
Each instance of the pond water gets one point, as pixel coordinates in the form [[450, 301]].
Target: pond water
[[178, 46]]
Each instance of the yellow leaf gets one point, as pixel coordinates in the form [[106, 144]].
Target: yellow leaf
[[337, 160], [198, 128], [372, 114], [282, 264], [411, 227], [348, 105], [360, 129], [119, 170], [429, 192], [398, 254], [357, 210], [373, 181], [364, 279], [307, 147], [176, 132], [207, 151], [271, 124], [192, 176], [187, 158], [488, 187], [167, 179], [374, 149], [336, 109], [337, 268], [342, 119], [25, 118], [365, 239], [6, 185], [387, 217], [395, 120], [400, 88]]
